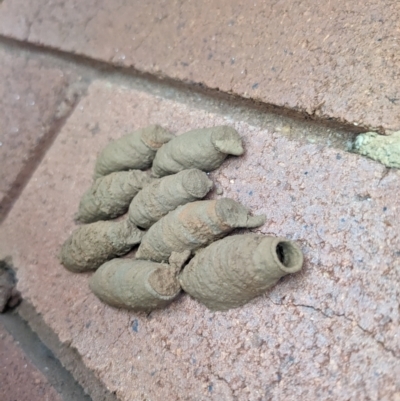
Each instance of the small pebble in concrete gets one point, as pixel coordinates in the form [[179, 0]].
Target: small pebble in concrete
[[135, 325]]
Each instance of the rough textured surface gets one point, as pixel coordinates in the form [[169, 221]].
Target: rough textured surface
[[41, 357], [193, 226], [336, 60], [69, 358], [329, 332], [20, 379], [31, 100], [204, 149], [166, 194], [133, 151], [90, 245], [234, 270], [135, 284], [385, 149], [110, 196]]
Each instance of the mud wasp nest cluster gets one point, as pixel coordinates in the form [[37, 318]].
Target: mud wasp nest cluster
[[180, 237]]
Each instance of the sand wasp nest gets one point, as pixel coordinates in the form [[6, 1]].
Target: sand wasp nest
[[180, 237]]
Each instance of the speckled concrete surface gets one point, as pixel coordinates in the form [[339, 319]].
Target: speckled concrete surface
[[32, 95], [20, 380], [331, 59], [329, 332]]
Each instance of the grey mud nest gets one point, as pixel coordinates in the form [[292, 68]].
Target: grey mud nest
[[180, 237]]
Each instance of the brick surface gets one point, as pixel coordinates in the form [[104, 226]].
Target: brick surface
[[31, 99], [334, 60], [19, 379], [329, 332]]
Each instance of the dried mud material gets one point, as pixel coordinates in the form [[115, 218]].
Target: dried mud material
[[138, 285], [134, 151], [204, 149], [91, 245], [166, 194], [226, 274], [110, 196], [384, 149], [193, 226], [234, 270]]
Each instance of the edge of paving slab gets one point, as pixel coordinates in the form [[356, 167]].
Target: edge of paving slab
[[29, 148], [27, 26], [36, 156], [191, 86], [41, 358], [67, 355]]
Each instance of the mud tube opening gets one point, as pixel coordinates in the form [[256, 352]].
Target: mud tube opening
[[289, 255]]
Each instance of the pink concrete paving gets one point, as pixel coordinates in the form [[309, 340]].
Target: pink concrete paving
[[330, 332], [328, 59], [20, 380], [31, 96]]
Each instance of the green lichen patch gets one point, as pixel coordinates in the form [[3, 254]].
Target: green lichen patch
[[384, 149]]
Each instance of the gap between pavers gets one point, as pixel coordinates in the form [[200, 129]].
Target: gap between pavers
[[35, 97], [28, 359], [330, 331], [335, 60], [19, 378], [69, 358]]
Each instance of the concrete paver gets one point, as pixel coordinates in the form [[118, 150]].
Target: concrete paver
[[335, 60], [29, 344], [329, 332], [32, 96], [19, 378]]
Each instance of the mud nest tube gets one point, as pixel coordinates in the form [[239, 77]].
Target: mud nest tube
[[161, 181]]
